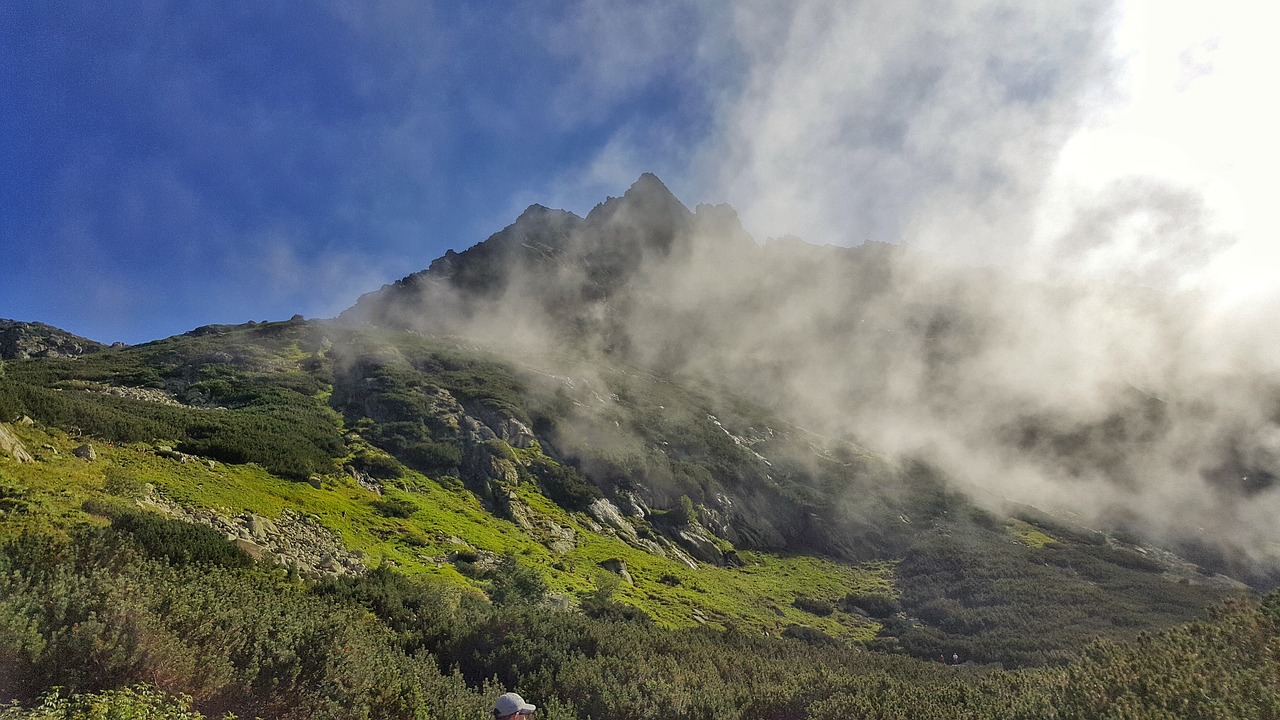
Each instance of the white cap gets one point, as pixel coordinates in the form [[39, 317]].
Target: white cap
[[510, 704]]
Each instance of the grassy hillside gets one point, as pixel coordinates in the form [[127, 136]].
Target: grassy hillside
[[563, 527]]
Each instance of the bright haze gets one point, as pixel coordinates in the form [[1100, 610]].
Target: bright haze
[[1087, 184]]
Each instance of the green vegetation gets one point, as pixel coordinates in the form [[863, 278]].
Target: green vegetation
[[250, 641], [468, 485]]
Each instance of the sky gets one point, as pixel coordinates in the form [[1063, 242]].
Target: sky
[[169, 165]]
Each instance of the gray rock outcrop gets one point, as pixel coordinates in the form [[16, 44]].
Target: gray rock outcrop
[[607, 514], [618, 567], [12, 446], [293, 539], [22, 340]]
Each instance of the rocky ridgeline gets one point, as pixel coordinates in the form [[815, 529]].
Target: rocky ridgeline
[[22, 340], [294, 539]]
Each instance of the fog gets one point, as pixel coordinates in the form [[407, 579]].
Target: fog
[[1109, 163], [1067, 299]]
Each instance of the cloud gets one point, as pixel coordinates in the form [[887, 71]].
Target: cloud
[[916, 122], [1087, 323]]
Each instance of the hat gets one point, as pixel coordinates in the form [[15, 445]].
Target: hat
[[510, 704]]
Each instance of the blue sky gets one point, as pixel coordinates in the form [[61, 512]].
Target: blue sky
[[171, 164]]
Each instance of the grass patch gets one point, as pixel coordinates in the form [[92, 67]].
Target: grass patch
[[1028, 534]]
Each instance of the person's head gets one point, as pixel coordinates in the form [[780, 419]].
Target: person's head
[[510, 705]]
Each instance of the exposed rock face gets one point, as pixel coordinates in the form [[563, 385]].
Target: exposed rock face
[[293, 539], [22, 340], [618, 567], [364, 480], [12, 446], [699, 543], [607, 514]]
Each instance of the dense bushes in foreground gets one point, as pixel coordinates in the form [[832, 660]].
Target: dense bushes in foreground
[[97, 615]]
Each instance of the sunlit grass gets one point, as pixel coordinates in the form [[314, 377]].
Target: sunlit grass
[[446, 519]]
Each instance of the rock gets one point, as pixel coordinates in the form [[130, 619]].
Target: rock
[[12, 446], [26, 421], [699, 543], [260, 528], [515, 433], [364, 480], [560, 540], [251, 548], [631, 504], [607, 513], [85, 452], [651, 547], [21, 340], [618, 567]]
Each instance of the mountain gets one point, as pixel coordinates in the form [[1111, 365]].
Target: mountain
[[604, 461], [898, 350]]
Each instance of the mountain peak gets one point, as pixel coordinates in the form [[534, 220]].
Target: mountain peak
[[647, 198], [648, 183]]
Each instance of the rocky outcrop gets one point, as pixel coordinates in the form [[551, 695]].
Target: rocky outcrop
[[12, 446], [22, 340], [85, 452], [165, 451], [139, 393], [607, 514], [293, 539], [364, 480], [618, 567], [699, 543]]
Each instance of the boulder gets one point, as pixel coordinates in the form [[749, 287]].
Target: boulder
[[12, 446], [250, 548], [618, 567], [85, 452]]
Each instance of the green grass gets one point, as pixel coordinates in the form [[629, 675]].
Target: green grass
[[1028, 534], [756, 597]]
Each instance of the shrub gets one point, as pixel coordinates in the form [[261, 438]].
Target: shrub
[[396, 507], [877, 605], [177, 541], [817, 606], [123, 484], [564, 484], [511, 583], [140, 702]]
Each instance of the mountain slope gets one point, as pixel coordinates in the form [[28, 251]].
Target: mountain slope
[[1095, 399], [438, 457]]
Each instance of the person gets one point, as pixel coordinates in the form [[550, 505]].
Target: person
[[509, 705]]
